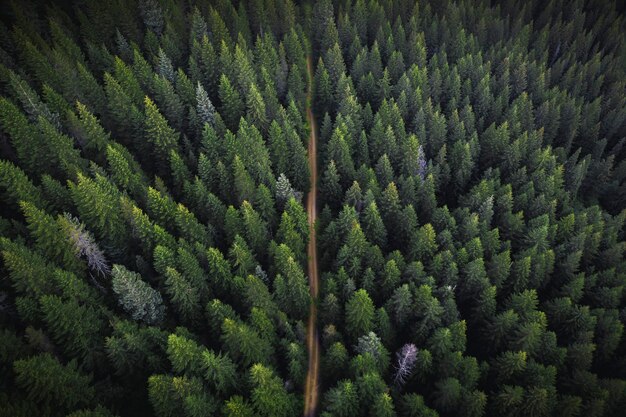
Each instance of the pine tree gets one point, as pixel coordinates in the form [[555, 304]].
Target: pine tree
[[97, 202], [256, 113], [136, 297], [323, 89], [232, 106], [184, 354], [236, 406], [269, 396], [350, 255], [335, 63], [123, 111], [75, 327], [342, 400], [448, 393], [17, 186], [288, 235], [152, 15], [255, 229], [284, 190], [243, 182], [164, 66], [163, 138], [241, 258], [359, 313], [330, 188], [87, 130], [204, 106], [169, 102], [50, 238], [85, 245], [290, 284], [51, 384], [183, 295], [414, 405], [169, 395], [339, 151], [297, 165], [373, 226], [383, 406], [245, 344], [220, 371]]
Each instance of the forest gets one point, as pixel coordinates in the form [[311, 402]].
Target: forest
[[174, 174]]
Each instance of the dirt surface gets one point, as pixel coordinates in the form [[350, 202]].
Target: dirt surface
[[313, 344]]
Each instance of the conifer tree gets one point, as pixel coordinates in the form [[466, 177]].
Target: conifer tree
[[256, 112], [136, 297], [232, 106], [163, 138], [52, 384], [204, 106], [359, 313], [244, 343], [269, 397], [290, 285], [75, 327]]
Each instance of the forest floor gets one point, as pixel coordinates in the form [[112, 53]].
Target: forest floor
[[313, 344]]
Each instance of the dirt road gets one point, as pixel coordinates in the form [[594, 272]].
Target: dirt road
[[313, 344]]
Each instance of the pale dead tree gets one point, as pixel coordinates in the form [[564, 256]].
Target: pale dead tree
[[86, 246], [406, 362]]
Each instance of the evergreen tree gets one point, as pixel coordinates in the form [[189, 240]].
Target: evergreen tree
[[158, 132], [342, 400], [269, 397], [183, 295], [52, 384], [359, 313], [73, 326], [245, 344], [232, 105], [284, 190], [136, 297], [256, 112], [290, 283]]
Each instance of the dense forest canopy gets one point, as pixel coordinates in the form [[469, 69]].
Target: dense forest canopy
[[472, 207]]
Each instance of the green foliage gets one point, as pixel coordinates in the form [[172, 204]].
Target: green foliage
[[51, 384], [75, 327], [232, 104], [269, 397], [470, 208], [359, 313], [290, 284], [97, 203], [16, 186], [158, 132], [170, 395], [244, 343], [136, 296], [342, 400]]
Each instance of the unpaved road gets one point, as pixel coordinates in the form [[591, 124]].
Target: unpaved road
[[312, 338]]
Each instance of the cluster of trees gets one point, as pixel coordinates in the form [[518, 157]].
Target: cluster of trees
[[473, 193], [471, 232], [152, 234]]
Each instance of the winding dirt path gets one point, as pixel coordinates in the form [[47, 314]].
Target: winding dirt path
[[313, 343]]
